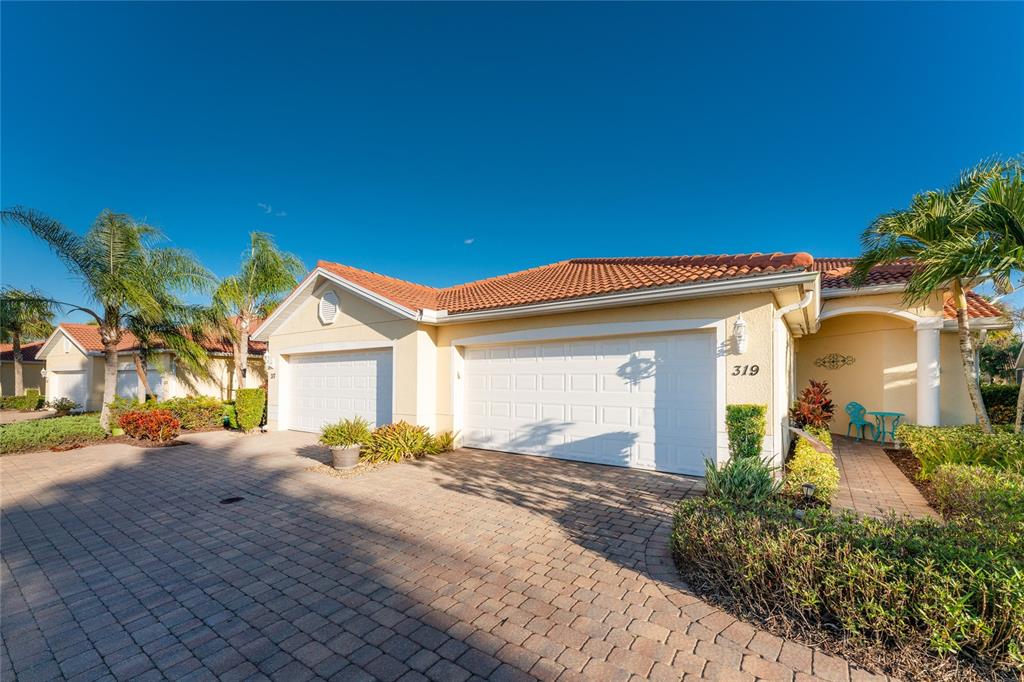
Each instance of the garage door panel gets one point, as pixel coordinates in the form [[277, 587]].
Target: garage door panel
[[645, 401], [328, 387]]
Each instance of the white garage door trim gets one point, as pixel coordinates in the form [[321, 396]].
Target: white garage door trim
[[718, 327], [283, 408]]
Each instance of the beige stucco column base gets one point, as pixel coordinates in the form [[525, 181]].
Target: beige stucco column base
[[928, 377]]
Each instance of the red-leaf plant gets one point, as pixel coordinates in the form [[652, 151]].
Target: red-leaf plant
[[814, 406], [156, 425]]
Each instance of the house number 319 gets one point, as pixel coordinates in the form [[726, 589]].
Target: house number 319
[[745, 370]]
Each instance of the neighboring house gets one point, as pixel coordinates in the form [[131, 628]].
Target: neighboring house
[[74, 368], [624, 361], [32, 367]]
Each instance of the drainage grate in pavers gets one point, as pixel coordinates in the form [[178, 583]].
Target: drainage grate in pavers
[[231, 500]]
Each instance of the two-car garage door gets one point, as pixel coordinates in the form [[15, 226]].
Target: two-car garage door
[[645, 401]]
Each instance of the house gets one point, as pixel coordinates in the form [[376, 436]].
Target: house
[[623, 361], [74, 364], [31, 373]]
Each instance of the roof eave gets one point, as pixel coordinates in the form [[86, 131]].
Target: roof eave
[[978, 323], [863, 291]]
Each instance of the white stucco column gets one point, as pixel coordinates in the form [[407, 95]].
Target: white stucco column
[[928, 348]]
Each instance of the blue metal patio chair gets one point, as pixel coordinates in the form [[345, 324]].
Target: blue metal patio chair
[[856, 412]]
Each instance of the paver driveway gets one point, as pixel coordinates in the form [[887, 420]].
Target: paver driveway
[[122, 562]]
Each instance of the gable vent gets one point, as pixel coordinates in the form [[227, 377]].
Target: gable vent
[[328, 307]]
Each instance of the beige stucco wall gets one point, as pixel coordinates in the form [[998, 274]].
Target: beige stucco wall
[[955, 404], [423, 353], [884, 374], [31, 375]]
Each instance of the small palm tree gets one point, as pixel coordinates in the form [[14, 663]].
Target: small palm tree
[[958, 238], [266, 273], [181, 330], [122, 271], [23, 315]]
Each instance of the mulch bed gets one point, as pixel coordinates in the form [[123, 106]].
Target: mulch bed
[[911, 467]]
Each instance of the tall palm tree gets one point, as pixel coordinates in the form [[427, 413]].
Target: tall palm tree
[[958, 238], [23, 315], [265, 274], [181, 330], [122, 272]]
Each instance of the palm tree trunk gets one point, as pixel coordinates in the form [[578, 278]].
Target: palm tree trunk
[[141, 368], [19, 372], [243, 356], [1020, 409], [968, 358], [109, 381]]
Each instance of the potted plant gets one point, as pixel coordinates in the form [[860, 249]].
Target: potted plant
[[345, 439]]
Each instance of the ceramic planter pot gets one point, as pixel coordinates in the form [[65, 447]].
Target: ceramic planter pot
[[345, 458]]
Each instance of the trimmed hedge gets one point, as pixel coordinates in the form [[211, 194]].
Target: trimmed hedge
[[44, 434], [807, 465], [937, 445], [230, 415], [1000, 402], [25, 403], [194, 412], [745, 425], [250, 405], [948, 588]]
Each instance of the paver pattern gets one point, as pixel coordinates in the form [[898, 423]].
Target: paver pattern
[[119, 562], [870, 484]]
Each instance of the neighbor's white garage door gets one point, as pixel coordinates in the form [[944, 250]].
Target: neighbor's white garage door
[[327, 387], [71, 385], [645, 401]]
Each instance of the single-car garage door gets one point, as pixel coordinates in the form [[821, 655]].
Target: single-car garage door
[[645, 401], [327, 387]]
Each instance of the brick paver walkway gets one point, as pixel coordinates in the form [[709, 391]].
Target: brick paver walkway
[[119, 562], [870, 484], [14, 416]]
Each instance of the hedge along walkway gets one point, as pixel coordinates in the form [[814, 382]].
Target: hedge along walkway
[[870, 484]]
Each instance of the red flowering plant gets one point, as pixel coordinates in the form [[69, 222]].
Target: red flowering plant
[[159, 426], [813, 406]]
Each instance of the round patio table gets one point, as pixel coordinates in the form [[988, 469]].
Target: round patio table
[[880, 418]]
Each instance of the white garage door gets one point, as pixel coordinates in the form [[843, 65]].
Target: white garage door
[[69, 385], [646, 401], [327, 387]]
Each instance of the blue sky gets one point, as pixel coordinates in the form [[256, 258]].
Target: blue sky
[[447, 142]]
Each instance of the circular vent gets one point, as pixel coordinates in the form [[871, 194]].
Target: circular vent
[[328, 307]]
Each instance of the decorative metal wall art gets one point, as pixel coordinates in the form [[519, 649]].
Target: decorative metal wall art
[[834, 361]]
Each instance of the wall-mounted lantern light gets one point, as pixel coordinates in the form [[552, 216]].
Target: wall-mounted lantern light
[[42, 372], [739, 332]]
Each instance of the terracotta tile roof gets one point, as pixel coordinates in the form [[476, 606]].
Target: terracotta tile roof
[[977, 306], [88, 336], [835, 273], [28, 351], [576, 278]]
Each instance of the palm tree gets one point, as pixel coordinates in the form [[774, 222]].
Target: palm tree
[[266, 273], [958, 238], [23, 315], [181, 330], [122, 271]]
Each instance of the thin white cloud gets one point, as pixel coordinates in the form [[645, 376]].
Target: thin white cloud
[[281, 214], [469, 241], [267, 208]]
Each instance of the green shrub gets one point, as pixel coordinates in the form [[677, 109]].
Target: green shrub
[[980, 494], [808, 465], [64, 406], [746, 425], [743, 482], [897, 581], [1000, 402], [25, 403], [395, 442], [230, 415], [156, 425], [33, 391], [934, 446], [346, 433], [43, 434], [445, 441], [251, 405], [200, 412]]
